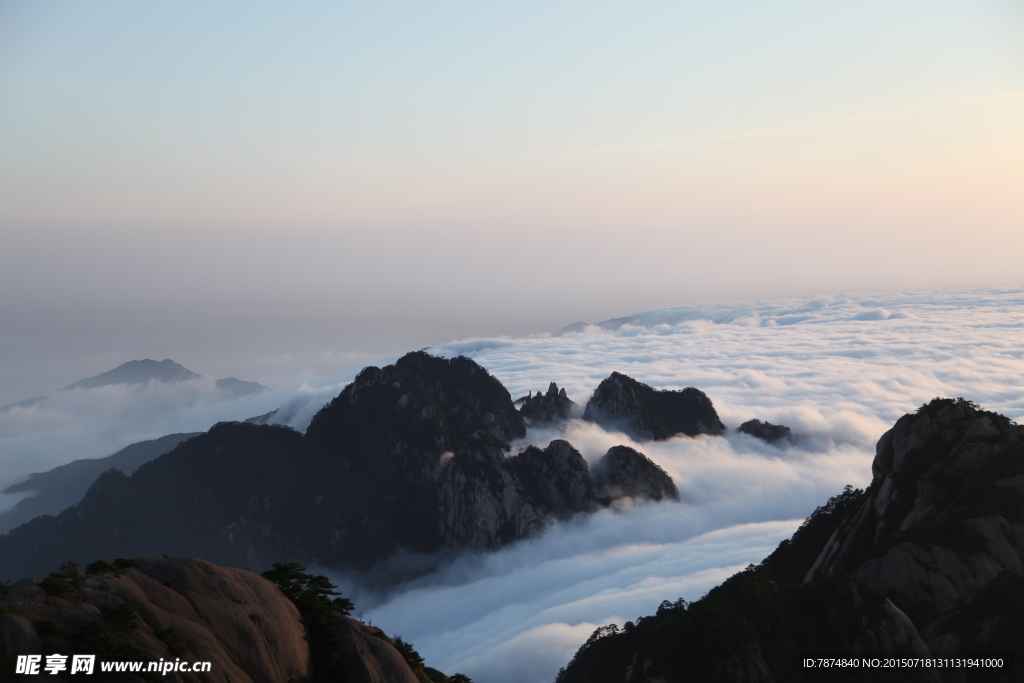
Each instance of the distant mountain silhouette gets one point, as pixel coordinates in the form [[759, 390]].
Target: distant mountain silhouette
[[766, 431], [63, 486], [27, 403], [137, 372], [142, 372], [238, 387]]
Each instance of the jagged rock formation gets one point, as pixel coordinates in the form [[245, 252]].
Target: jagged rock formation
[[766, 431], [191, 610], [625, 473], [549, 407], [63, 486], [411, 456], [927, 560], [621, 402]]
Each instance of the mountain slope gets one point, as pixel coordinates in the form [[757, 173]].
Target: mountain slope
[[927, 561], [63, 486]]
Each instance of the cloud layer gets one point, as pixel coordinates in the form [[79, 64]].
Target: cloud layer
[[838, 371]]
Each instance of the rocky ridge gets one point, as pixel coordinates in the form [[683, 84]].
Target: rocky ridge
[[412, 456], [621, 402]]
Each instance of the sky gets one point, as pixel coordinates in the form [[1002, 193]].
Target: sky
[[275, 191]]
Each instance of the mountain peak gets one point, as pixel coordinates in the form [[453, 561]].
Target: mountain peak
[[137, 372]]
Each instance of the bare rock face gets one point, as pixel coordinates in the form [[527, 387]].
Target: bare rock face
[[556, 479], [943, 518], [191, 609], [548, 407], [481, 502], [766, 431], [621, 402], [367, 656], [940, 520], [487, 499], [625, 473]]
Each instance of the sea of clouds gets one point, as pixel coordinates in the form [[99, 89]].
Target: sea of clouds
[[837, 370]]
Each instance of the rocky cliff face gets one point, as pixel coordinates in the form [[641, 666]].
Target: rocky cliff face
[[488, 498], [625, 473], [557, 479], [927, 560], [548, 407], [621, 402], [482, 503], [158, 608], [943, 518], [412, 456]]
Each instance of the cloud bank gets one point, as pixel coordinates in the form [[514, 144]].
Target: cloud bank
[[837, 370]]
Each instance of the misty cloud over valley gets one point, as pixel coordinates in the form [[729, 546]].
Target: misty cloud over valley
[[836, 370]]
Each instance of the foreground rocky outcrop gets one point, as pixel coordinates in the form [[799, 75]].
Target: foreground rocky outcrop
[[548, 407], [412, 456], [929, 560], [621, 402], [190, 610]]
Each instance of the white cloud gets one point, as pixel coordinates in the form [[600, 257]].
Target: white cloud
[[838, 370]]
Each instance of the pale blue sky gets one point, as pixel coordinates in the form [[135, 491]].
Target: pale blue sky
[[232, 182]]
